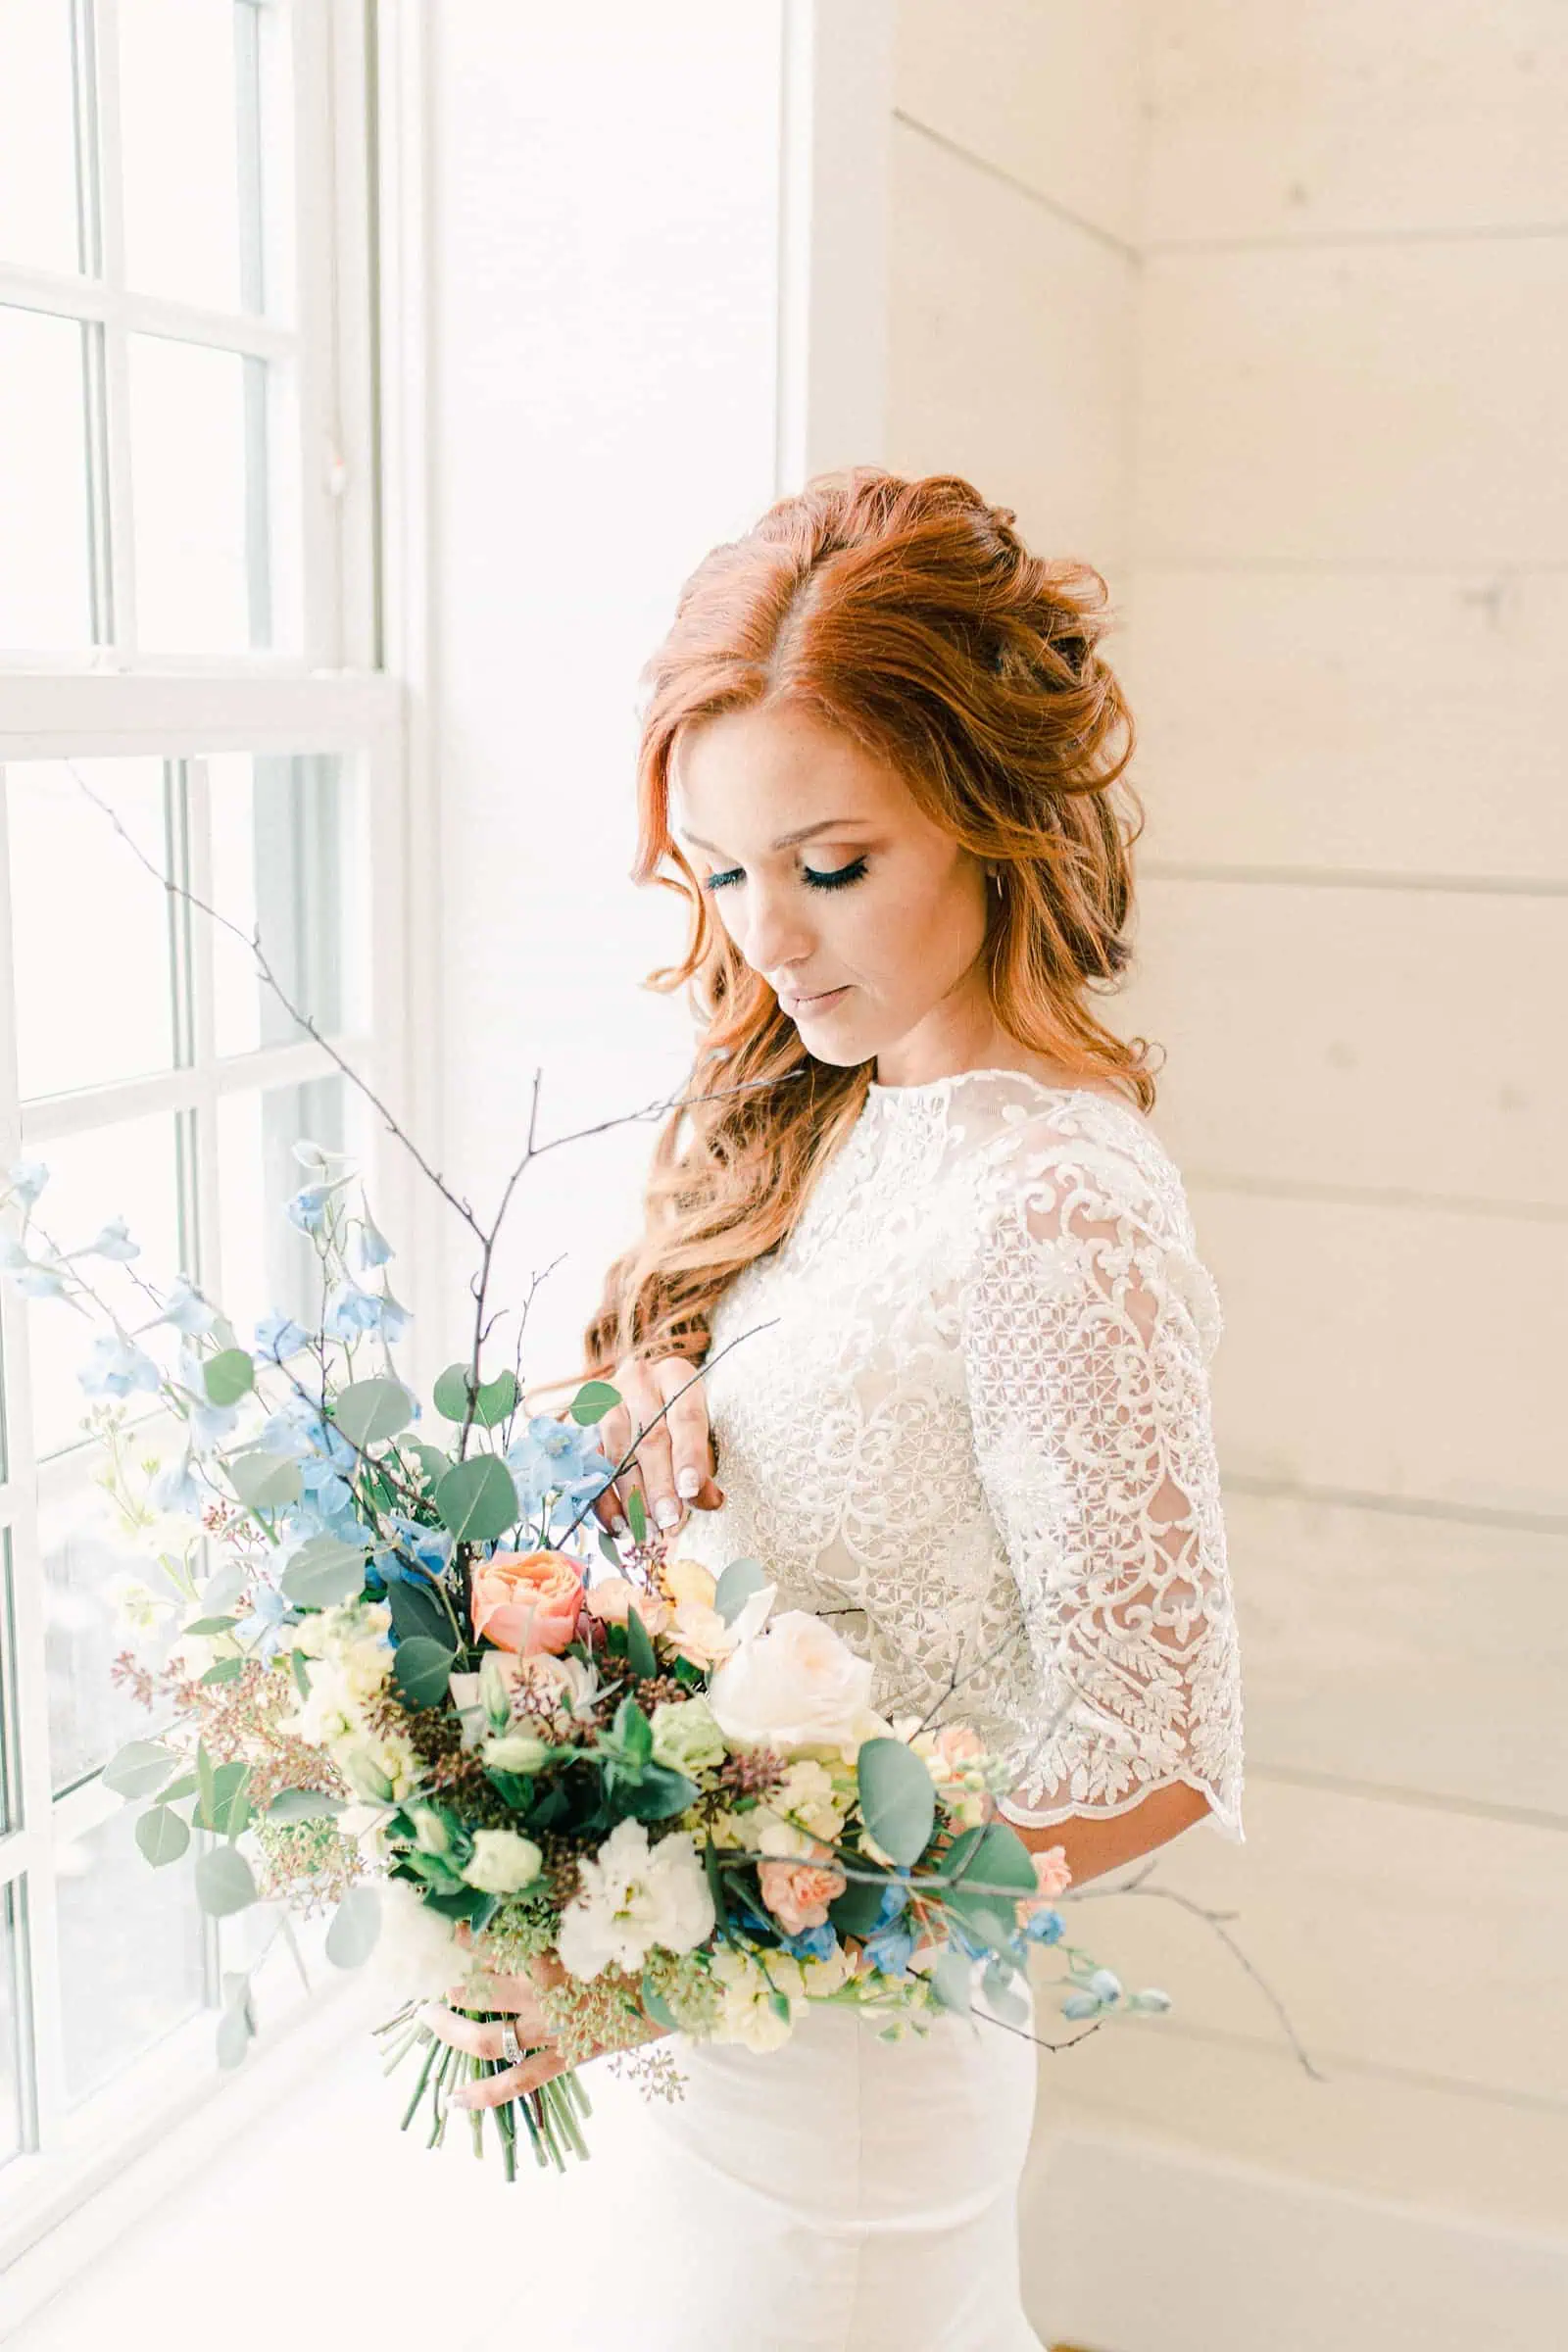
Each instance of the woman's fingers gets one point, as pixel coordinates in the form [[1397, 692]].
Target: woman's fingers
[[685, 1402], [512, 2082]]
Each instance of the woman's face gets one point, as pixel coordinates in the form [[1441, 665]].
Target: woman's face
[[864, 917]]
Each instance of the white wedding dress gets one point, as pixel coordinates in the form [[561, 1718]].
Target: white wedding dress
[[967, 1414]]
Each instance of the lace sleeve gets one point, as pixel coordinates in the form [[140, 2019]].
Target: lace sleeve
[[1086, 1330]]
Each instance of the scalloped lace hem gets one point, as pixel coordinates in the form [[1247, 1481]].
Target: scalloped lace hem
[[1226, 1819]]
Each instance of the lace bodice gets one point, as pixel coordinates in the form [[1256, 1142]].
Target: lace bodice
[[975, 1431]]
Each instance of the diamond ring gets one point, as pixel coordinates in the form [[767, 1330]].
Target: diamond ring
[[511, 2047]]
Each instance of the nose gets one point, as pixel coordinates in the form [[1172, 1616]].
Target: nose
[[774, 932]]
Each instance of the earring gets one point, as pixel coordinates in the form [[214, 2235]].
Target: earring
[[995, 877]]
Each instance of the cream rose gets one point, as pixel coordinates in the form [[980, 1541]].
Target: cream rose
[[796, 1685]]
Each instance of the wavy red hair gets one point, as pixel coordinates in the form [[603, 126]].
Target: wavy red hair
[[909, 614]]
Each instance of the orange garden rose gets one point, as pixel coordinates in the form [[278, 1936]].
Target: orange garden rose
[[527, 1601]]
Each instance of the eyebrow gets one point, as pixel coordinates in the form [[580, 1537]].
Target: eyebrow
[[785, 841]]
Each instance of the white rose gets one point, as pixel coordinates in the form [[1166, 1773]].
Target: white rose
[[415, 1956], [634, 1896], [502, 1862], [797, 1684]]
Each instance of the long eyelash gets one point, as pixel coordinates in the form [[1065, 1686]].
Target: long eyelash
[[838, 879]]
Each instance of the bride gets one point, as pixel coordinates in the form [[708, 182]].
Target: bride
[[915, 1220]]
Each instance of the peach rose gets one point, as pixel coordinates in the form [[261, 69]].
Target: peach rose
[[612, 1596], [798, 1893], [1052, 1874], [528, 1601]]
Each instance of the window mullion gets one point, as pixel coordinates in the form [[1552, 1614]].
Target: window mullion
[[42, 2053], [208, 1204], [116, 362]]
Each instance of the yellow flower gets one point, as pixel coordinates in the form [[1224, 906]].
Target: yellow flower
[[688, 1580]]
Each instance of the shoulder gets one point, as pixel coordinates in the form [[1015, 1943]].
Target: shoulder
[[1081, 1171]]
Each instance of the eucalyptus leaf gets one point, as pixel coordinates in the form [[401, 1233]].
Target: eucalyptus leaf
[[640, 1655], [450, 1395], [222, 1670], [657, 2007], [637, 1515], [304, 1804], [369, 1410], [431, 1458], [356, 1926], [228, 1376], [593, 1400], [477, 1499], [898, 1800], [210, 1624], [950, 1980], [855, 1911], [495, 1399], [416, 1610], [740, 1580], [263, 1480], [162, 1835], [423, 1668], [324, 1570], [223, 1881], [138, 1768]]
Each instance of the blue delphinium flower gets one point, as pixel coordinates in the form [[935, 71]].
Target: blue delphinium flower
[[351, 1312], [115, 1368], [186, 1309], [262, 1629], [279, 1336], [395, 1319], [891, 1946], [175, 1489], [115, 1241], [1043, 1926], [26, 1179], [308, 1208], [548, 1457], [375, 1249], [812, 1943]]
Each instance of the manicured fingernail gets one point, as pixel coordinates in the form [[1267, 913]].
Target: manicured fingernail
[[686, 1483], [666, 1510], [619, 1526]]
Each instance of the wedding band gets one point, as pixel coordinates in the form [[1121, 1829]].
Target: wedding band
[[511, 2047]]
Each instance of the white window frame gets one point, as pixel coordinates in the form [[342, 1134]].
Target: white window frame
[[359, 113]]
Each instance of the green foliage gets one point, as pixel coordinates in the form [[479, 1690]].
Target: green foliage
[[415, 1610], [987, 1870], [212, 1624], [223, 1881], [477, 1499], [740, 1580], [228, 1376], [493, 1399], [637, 1515], [592, 1401], [369, 1410], [634, 1783], [303, 1804], [263, 1481], [854, 1912], [356, 1926], [324, 1570], [162, 1835], [423, 1668], [640, 1655], [139, 1768], [898, 1801], [431, 1460], [222, 1670], [949, 1980]]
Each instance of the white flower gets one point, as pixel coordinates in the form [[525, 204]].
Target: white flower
[[748, 2012], [502, 1861], [415, 1956], [797, 1684], [635, 1895], [383, 1771]]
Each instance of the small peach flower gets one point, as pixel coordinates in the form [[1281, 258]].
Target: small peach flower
[[798, 1893], [1052, 1874], [688, 1580], [612, 1596], [957, 1744], [527, 1601]]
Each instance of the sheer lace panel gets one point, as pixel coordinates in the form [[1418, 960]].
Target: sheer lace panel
[[1086, 1328]]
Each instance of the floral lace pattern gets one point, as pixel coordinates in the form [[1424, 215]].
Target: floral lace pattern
[[966, 1415]]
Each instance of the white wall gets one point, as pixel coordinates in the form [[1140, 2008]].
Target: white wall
[[1261, 307]]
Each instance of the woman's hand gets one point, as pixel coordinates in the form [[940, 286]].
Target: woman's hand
[[673, 1465], [542, 2058]]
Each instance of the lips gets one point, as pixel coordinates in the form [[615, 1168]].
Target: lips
[[808, 1003]]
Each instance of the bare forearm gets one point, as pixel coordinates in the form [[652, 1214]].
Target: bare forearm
[[1094, 1844]]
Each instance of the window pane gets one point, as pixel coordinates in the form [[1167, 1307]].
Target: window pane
[[37, 135], [131, 1951], [90, 1580], [287, 860], [198, 471], [10, 1783], [182, 144], [129, 1170], [12, 1965], [45, 567], [269, 1266], [94, 992]]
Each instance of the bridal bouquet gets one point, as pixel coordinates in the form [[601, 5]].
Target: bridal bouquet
[[405, 1687]]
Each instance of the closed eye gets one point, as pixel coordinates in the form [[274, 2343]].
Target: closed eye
[[839, 878]]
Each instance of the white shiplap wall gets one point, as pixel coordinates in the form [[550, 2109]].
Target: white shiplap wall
[[1262, 309]]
